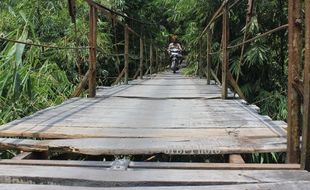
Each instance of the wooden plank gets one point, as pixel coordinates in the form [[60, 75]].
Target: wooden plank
[[211, 166], [64, 163], [151, 58], [235, 85], [22, 156], [294, 70], [258, 186], [154, 165], [225, 58], [209, 63], [79, 89], [305, 157], [92, 177], [92, 51], [141, 57], [120, 76], [236, 159], [126, 54], [100, 132], [135, 146]]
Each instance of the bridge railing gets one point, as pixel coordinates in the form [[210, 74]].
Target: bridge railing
[[90, 76], [226, 46], [149, 65], [298, 82]]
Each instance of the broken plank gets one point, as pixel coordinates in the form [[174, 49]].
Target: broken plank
[[153, 165], [131, 146], [93, 177], [60, 132]]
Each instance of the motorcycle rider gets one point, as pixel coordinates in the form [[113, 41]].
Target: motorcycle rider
[[175, 45]]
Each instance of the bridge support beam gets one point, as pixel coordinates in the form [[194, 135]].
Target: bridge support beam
[[200, 64], [92, 51], [305, 157], [294, 70], [209, 46], [225, 58], [126, 54], [156, 60], [151, 58], [141, 57]]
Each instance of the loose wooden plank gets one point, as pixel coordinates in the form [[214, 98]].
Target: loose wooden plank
[[153, 165], [94, 177], [23, 155], [61, 132], [131, 146], [278, 185], [236, 159], [71, 163], [212, 166]]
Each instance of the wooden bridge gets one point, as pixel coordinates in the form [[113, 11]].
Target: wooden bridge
[[166, 114], [74, 145]]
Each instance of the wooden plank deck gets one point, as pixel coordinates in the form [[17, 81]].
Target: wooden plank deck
[[169, 114], [22, 177]]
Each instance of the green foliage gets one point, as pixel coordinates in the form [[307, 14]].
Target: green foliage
[[264, 158], [32, 78], [190, 70]]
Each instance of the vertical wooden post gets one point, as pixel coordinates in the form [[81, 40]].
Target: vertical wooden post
[[225, 38], [92, 51], [305, 157], [160, 62], [209, 45], [200, 64], [146, 57], [126, 54], [151, 58], [141, 57], [294, 102], [156, 59]]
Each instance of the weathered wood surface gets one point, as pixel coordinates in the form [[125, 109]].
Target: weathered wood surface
[[153, 165], [167, 112], [173, 146], [95, 177], [84, 175], [266, 186]]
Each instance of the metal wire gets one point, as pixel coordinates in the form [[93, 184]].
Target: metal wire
[[42, 45]]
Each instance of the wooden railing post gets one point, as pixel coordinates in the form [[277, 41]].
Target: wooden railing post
[[126, 54], [160, 61], [157, 60], [151, 58], [146, 62], [225, 39], [209, 46], [294, 66], [92, 51], [305, 157], [141, 57], [200, 64]]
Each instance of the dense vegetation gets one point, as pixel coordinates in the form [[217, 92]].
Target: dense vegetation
[[32, 78]]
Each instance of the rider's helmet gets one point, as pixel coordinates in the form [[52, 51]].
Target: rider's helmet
[[174, 38]]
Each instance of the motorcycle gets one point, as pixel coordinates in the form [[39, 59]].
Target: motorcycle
[[175, 55]]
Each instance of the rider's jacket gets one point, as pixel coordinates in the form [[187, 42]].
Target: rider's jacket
[[174, 46]]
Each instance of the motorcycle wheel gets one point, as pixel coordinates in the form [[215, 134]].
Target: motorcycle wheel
[[174, 66]]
